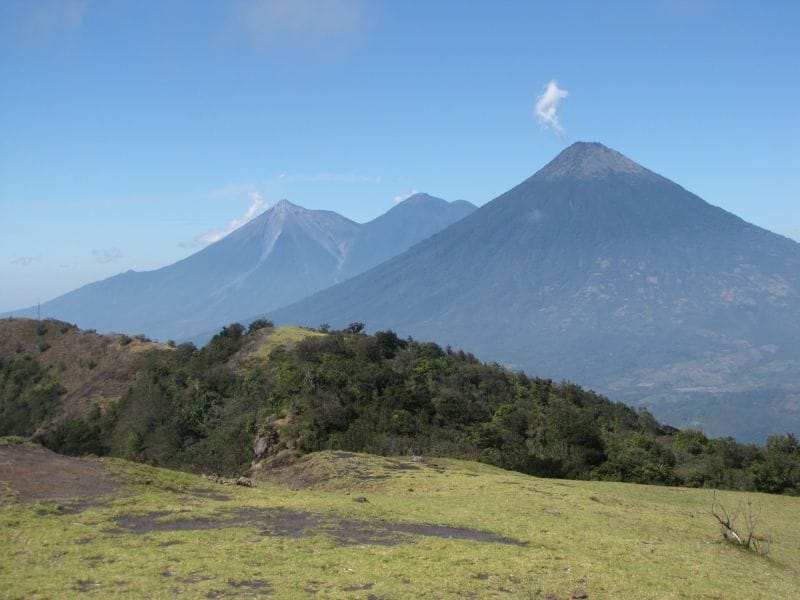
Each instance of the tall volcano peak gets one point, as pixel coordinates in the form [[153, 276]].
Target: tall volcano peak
[[590, 160], [599, 271], [283, 209], [284, 204]]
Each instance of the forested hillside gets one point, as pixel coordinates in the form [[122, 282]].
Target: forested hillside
[[219, 408]]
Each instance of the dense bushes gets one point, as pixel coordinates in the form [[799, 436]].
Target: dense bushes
[[378, 393], [77, 437], [28, 395]]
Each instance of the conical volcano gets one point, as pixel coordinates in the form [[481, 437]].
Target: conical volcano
[[598, 270]]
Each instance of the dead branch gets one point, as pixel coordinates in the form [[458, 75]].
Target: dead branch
[[746, 537]]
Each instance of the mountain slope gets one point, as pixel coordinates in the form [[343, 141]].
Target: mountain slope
[[415, 219], [598, 270], [279, 257], [70, 372]]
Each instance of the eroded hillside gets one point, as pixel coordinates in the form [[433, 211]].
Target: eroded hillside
[[70, 372]]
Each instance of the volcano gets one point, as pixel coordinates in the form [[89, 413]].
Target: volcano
[[600, 271], [286, 253]]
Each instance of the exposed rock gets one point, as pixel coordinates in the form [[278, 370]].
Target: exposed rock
[[243, 481], [260, 446], [284, 458]]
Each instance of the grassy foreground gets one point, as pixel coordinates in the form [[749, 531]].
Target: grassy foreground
[[341, 525]]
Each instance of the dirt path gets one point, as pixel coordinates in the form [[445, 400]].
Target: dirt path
[[38, 475]]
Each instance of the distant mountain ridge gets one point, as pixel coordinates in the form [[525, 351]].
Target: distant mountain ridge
[[416, 218], [286, 253], [601, 271]]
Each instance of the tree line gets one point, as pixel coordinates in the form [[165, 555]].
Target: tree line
[[196, 410]]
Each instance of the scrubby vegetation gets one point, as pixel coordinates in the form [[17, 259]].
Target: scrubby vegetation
[[206, 410], [28, 395]]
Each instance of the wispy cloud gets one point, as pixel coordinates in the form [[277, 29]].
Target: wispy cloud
[[400, 197], [547, 106], [256, 204], [106, 255], [26, 261], [308, 23]]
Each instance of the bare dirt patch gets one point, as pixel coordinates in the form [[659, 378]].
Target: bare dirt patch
[[39, 475], [253, 584], [357, 588], [85, 585], [256, 587], [284, 522], [393, 465], [339, 470]]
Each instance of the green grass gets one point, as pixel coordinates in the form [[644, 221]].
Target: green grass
[[284, 337], [266, 340], [612, 540]]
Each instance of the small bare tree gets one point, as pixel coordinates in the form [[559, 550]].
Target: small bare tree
[[744, 535]]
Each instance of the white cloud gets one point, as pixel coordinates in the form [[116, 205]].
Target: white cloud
[[305, 22], [106, 255], [400, 197], [26, 261], [547, 106], [256, 204]]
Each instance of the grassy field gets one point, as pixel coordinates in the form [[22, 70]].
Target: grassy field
[[341, 525], [257, 350]]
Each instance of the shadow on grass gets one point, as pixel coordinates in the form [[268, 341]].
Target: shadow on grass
[[284, 522]]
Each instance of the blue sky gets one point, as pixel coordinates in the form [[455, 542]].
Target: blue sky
[[134, 132]]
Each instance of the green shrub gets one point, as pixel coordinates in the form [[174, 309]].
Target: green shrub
[[260, 324]]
